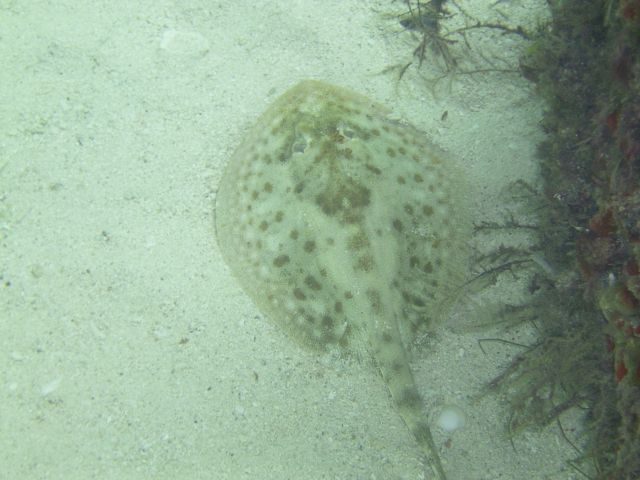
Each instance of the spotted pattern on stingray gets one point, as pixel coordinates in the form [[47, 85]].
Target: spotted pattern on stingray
[[347, 228]]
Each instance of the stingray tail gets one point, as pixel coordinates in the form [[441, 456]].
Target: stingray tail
[[392, 361]]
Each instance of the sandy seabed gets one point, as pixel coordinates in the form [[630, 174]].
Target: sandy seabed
[[127, 349]]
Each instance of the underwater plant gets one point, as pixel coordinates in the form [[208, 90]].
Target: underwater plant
[[443, 37], [586, 66]]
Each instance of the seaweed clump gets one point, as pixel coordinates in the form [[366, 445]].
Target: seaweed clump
[[443, 35], [585, 280]]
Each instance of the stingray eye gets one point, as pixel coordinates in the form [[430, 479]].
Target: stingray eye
[[300, 144]]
